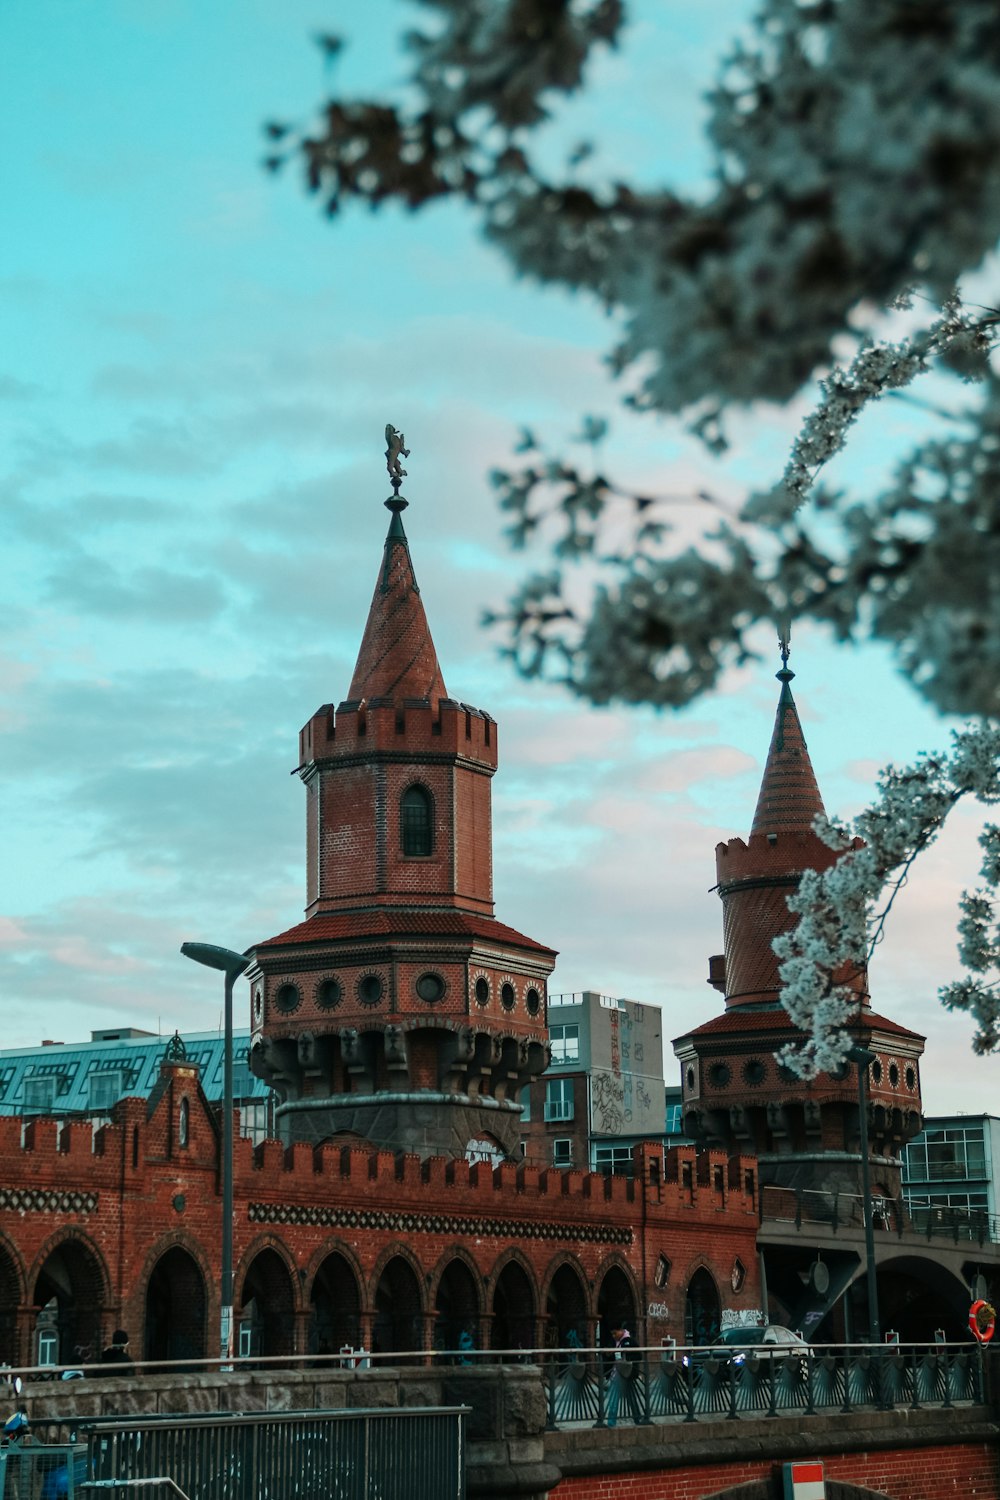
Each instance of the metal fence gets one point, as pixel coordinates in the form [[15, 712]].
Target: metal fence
[[591, 1388], [385, 1454], [894, 1215], [31, 1472]]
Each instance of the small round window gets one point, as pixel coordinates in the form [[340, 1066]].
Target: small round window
[[911, 1077], [876, 1071], [482, 991], [258, 1006], [719, 1074], [689, 1078], [329, 993], [431, 987], [894, 1075], [287, 998], [370, 989], [508, 997], [532, 1002], [754, 1071]]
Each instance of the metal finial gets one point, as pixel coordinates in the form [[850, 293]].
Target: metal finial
[[176, 1050], [785, 647], [395, 446]]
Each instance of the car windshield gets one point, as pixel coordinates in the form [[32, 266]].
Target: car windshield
[[742, 1336]]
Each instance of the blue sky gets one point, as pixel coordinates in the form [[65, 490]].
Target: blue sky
[[195, 373]]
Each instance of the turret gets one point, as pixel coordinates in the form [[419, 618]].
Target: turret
[[400, 1011]]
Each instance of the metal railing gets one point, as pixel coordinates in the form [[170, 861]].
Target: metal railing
[[385, 1454], [29, 1472], [594, 1388], [800, 1206]]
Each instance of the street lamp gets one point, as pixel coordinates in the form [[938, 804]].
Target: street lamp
[[233, 965], [863, 1058]]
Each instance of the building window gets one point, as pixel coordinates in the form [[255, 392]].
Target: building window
[[287, 998], [532, 1001], [508, 996], [945, 1152], [562, 1153], [482, 990], [416, 821], [525, 1102], [614, 1161], [431, 988], [103, 1089], [39, 1093], [371, 988], [329, 993], [675, 1119], [184, 1124], [559, 1099], [565, 1044]]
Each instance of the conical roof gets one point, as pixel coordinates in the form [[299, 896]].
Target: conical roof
[[789, 795], [397, 659]]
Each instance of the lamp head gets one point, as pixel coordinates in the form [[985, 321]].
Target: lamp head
[[216, 958]]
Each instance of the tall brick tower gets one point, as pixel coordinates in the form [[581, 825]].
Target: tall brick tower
[[736, 1094], [400, 1011]]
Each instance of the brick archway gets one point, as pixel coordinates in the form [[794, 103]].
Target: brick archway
[[175, 1309], [68, 1284], [398, 1310], [11, 1298], [457, 1307], [514, 1308], [265, 1306], [335, 1300]]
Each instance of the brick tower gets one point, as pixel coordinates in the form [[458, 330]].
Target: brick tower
[[400, 1011], [736, 1094]]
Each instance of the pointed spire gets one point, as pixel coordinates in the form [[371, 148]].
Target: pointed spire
[[397, 659], [789, 795]]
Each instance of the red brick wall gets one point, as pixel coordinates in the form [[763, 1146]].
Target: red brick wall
[[931, 1473]]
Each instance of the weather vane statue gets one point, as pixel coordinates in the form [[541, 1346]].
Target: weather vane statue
[[395, 447]]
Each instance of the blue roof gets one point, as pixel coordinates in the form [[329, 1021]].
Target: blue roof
[[87, 1077]]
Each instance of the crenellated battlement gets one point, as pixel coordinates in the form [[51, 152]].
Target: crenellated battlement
[[381, 726], [773, 855]]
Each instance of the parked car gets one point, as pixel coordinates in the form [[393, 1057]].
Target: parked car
[[736, 1344]]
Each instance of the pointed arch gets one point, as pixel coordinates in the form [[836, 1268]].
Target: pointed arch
[[617, 1300], [702, 1308], [567, 1306], [265, 1302], [514, 1305], [397, 1305], [69, 1283], [416, 820], [335, 1302], [176, 1306], [457, 1304]]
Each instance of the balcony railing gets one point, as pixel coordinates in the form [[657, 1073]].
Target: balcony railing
[[932, 1220]]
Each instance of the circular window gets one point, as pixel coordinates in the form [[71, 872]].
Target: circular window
[[787, 1074], [876, 1071], [532, 1002], [719, 1074], [370, 989], [754, 1071], [482, 991], [911, 1077], [690, 1078], [287, 998], [258, 1006], [508, 998], [893, 1075], [329, 993], [430, 987]]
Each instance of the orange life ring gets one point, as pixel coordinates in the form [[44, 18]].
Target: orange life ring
[[982, 1334]]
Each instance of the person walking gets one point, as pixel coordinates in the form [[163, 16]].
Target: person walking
[[116, 1355]]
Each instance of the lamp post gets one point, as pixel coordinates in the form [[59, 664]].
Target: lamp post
[[232, 965], [863, 1058]]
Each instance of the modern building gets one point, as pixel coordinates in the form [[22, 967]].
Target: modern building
[[949, 1172], [85, 1080], [603, 1091]]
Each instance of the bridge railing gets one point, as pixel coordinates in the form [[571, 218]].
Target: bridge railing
[[596, 1388], [800, 1206]]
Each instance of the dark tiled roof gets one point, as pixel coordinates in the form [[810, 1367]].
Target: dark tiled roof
[[379, 923], [397, 659], [744, 1019], [789, 796]]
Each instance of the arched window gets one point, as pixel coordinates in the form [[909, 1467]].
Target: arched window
[[182, 1124], [417, 827]]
